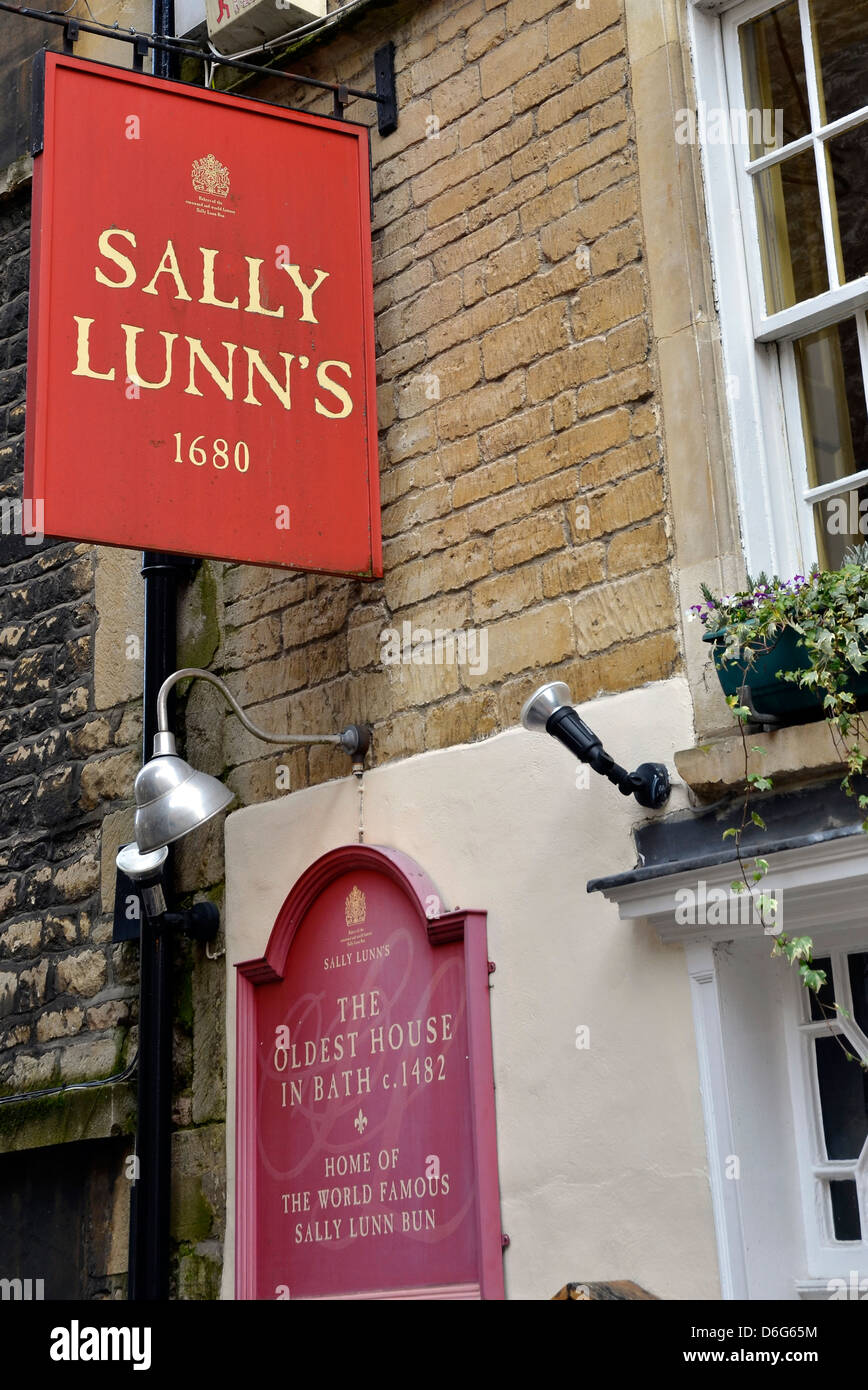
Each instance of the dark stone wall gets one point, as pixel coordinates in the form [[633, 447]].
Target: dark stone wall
[[20, 41], [66, 996]]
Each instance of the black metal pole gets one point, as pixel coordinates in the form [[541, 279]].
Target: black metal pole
[[164, 28], [149, 1214]]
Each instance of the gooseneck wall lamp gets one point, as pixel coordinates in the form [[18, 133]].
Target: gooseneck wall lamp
[[172, 798], [549, 710]]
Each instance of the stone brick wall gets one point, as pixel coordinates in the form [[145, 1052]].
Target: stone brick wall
[[70, 745], [522, 479], [66, 995]]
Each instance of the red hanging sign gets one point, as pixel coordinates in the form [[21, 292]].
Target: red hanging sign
[[201, 356], [366, 1151]]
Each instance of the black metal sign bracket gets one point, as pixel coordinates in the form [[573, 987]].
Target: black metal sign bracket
[[385, 95]]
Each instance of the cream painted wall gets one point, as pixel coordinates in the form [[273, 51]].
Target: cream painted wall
[[602, 1151]]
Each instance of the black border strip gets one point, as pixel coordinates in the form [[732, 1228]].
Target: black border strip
[[37, 104]]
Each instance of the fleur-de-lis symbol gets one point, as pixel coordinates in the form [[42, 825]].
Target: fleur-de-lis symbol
[[361, 1122]]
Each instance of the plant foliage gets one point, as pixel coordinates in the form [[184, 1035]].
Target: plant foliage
[[828, 609]]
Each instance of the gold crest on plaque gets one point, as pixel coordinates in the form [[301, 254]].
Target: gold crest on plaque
[[210, 176], [356, 907]]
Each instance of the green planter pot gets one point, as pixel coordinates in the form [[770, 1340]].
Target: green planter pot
[[756, 682]]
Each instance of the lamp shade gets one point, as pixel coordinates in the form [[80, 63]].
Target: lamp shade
[[141, 868], [172, 798], [544, 702]]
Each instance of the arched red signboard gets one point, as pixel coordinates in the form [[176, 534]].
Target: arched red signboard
[[366, 1159]]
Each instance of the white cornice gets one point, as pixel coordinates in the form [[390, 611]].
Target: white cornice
[[826, 882]]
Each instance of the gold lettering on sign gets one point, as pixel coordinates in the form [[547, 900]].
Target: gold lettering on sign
[[132, 334], [306, 291], [254, 291], [168, 266], [327, 384], [208, 295], [397, 1191], [197, 353], [254, 360], [112, 254], [82, 353], [232, 283], [380, 1041]]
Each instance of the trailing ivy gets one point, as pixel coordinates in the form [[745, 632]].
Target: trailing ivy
[[829, 611]]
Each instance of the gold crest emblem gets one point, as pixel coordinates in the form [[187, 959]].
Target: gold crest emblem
[[356, 907], [210, 176]]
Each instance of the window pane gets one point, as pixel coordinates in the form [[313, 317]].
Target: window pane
[[843, 1098], [833, 401], [845, 1210], [836, 434], [859, 985], [839, 523], [847, 158], [774, 75], [826, 995], [791, 232], [841, 43]]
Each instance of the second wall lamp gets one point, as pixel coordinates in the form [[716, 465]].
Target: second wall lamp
[[549, 710]]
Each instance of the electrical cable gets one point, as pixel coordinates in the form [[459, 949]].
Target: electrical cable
[[290, 36], [124, 1075], [186, 50], [189, 50]]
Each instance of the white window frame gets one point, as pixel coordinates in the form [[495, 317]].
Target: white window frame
[[774, 496], [822, 889], [825, 1254]]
